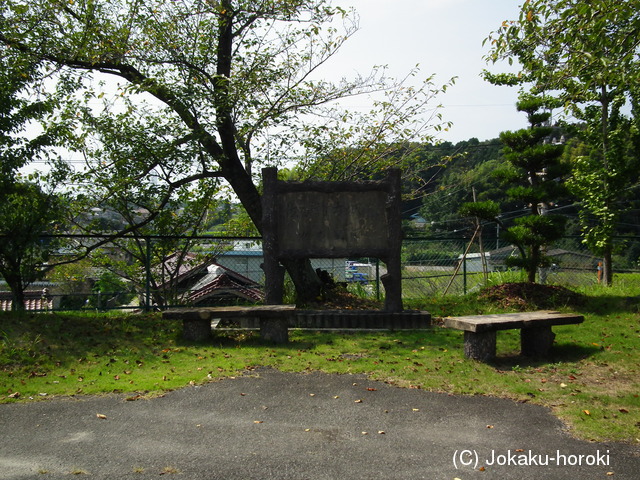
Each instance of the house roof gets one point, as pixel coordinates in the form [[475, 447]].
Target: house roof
[[33, 300], [226, 285], [212, 280], [185, 267]]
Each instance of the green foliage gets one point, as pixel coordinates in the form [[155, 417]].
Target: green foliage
[[487, 210], [107, 286], [602, 182], [585, 53], [534, 180], [20, 104], [209, 92], [26, 213], [29, 206], [449, 183]]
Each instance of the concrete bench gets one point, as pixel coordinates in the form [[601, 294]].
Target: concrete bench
[[196, 322], [536, 337], [275, 320]]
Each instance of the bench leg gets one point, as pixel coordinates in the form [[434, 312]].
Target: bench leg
[[196, 330], [537, 341], [480, 346], [274, 330]]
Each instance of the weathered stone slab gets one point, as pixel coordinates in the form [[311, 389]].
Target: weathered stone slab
[[273, 320], [480, 346], [274, 330], [208, 313], [196, 330], [536, 336], [507, 321]]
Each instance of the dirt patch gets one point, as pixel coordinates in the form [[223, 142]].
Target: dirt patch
[[525, 296], [339, 299]]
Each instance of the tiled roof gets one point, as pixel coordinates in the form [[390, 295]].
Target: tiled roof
[[34, 300], [226, 285]]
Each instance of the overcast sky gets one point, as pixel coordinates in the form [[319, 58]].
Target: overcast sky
[[445, 38]]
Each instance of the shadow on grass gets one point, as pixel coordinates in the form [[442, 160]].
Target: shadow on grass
[[609, 304], [28, 339], [562, 352]]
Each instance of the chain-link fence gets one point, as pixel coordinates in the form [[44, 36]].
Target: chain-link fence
[[157, 272], [454, 266]]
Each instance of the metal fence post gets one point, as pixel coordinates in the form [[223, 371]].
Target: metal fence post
[[464, 273], [377, 279]]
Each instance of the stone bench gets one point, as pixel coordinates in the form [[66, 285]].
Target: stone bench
[[536, 337], [275, 320], [196, 322]]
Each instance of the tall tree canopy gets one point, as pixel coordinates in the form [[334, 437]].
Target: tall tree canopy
[[586, 53], [29, 204], [231, 83]]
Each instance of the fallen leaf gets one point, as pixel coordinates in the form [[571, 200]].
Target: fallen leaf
[[489, 426], [15, 395], [416, 409], [358, 401], [101, 416], [623, 410], [482, 469], [258, 421], [563, 385], [381, 432], [586, 412], [371, 389]]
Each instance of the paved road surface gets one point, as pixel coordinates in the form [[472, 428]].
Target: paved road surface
[[274, 425]]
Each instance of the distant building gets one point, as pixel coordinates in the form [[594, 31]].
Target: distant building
[[246, 259], [473, 262], [208, 283], [418, 222], [33, 300]]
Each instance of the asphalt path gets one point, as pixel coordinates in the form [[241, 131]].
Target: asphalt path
[[273, 425]]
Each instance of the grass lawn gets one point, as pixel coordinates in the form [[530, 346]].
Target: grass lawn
[[592, 382]]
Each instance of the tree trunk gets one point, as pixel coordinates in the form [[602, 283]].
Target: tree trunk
[[607, 267], [17, 293], [304, 278]]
